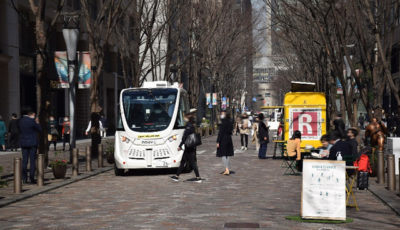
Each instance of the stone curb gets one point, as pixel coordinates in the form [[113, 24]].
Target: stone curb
[[389, 198], [34, 192]]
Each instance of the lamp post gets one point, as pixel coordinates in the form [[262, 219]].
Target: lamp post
[[71, 37]]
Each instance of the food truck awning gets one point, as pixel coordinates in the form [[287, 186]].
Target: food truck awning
[[298, 86], [272, 107]]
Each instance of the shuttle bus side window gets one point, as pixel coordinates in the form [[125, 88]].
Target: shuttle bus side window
[[120, 126], [182, 110]]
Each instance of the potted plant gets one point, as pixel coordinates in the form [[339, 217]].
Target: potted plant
[[110, 152], [59, 167]]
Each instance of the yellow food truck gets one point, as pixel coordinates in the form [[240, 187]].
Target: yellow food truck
[[304, 110]]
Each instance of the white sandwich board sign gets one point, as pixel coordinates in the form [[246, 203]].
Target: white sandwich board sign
[[323, 193]]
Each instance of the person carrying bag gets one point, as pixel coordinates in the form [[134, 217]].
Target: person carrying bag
[[189, 154]]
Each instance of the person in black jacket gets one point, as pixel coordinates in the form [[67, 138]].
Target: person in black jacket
[[263, 137], [224, 141], [352, 134], [340, 147], [13, 131], [189, 154], [29, 127], [340, 126]]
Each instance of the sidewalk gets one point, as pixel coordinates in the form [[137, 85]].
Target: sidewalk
[[390, 198], [7, 158], [7, 194]]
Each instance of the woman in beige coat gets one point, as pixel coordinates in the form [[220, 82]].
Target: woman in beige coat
[[244, 128]]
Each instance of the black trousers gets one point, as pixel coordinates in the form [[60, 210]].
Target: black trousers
[[13, 142], [96, 140], [246, 139], [66, 140], [28, 154], [190, 158]]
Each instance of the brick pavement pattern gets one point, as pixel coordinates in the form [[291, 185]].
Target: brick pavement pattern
[[256, 193]]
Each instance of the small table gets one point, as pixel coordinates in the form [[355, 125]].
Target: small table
[[350, 180]]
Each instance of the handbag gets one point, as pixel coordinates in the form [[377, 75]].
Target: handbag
[[193, 140]]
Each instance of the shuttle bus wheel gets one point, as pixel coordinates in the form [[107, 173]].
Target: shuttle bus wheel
[[118, 172]]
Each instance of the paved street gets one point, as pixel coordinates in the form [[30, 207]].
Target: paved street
[[256, 193]]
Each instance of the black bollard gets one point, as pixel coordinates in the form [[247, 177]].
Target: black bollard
[[381, 168], [17, 175], [75, 162], [88, 159], [40, 179], [100, 157], [391, 176]]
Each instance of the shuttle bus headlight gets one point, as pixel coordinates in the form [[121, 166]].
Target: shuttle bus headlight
[[172, 138], [125, 139]]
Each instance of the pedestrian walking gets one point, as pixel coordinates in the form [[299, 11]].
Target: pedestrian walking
[[103, 120], [237, 124], [263, 136], [254, 135], [339, 126], [53, 132], [224, 142], [3, 132], [65, 132], [361, 120], [94, 128], [189, 154], [244, 128], [13, 132], [29, 128]]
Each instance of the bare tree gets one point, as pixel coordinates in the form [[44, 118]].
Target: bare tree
[[45, 22], [328, 37], [100, 19]]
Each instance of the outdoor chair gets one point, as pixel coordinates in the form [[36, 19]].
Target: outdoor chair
[[289, 163]]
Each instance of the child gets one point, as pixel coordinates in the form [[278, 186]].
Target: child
[[326, 146]]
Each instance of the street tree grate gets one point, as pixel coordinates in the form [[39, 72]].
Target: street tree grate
[[242, 225]]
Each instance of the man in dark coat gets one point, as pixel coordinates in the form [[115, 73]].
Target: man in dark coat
[[263, 137], [340, 126], [224, 141], [29, 127], [351, 139], [340, 147], [13, 130]]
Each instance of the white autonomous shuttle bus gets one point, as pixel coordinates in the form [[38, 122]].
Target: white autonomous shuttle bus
[[150, 126]]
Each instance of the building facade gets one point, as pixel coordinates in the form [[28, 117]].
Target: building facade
[[18, 68]]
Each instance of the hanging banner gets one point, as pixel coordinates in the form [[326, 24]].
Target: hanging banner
[[60, 59], [227, 102], [323, 193], [223, 105], [208, 98], [84, 75], [214, 99]]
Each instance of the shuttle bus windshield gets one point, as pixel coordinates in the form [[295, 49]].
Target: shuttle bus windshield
[[149, 110]]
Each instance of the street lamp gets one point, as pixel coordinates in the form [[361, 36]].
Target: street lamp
[[71, 37]]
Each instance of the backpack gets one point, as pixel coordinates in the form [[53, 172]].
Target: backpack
[[245, 124], [363, 164]]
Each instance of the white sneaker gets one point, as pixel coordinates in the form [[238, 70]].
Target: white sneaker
[[245, 148], [242, 148]]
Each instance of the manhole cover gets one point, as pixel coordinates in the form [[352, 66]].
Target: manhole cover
[[242, 225]]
